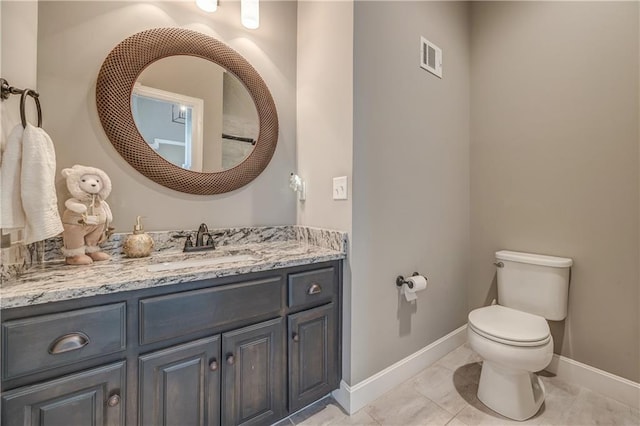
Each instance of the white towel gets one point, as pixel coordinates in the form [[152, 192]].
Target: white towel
[[12, 216], [35, 183], [38, 184]]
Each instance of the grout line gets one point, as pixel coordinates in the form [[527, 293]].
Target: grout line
[[375, 419], [457, 419]]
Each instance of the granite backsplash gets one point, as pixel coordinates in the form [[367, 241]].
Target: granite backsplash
[[166, 241]]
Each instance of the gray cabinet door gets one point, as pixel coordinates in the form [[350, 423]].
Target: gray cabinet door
[[312, 355], [253, 374], [180, 385], [94, 397]]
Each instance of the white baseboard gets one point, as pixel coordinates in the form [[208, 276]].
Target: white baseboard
[[607, 384], [353, 398]]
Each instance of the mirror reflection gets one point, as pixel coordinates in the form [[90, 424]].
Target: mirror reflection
[[194, 114]]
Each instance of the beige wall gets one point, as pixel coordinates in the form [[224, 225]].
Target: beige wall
[[325, 109], [18, 65], [73, 40], [554, 162], [18, 57], [325, 125], [410, 179]]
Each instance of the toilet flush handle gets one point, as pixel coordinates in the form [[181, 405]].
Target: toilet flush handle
[[499, 264]]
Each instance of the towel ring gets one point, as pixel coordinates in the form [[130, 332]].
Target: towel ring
[[23, 101]]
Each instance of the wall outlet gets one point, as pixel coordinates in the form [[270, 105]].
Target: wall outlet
[[340, 188]]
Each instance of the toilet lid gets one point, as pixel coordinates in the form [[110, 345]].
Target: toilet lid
[[510, 326]]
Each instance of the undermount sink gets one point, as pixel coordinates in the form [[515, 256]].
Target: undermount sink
[[195, 263]]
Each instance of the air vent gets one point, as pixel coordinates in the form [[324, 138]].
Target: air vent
[[430, 57]]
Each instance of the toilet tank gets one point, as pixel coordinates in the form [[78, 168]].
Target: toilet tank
[[534, 283]]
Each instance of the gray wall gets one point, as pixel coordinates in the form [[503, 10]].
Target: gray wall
[[554, 162], [325, 126], [410, 179], [325, 109], [73, 40]]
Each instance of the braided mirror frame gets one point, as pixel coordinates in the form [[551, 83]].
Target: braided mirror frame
[[114, 86]]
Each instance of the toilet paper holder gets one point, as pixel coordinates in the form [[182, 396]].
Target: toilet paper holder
[[400, 280]]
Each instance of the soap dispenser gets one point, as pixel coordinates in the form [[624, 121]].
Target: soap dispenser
[[138, 244]]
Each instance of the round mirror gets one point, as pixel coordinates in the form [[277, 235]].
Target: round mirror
[[133, 70], [194, 114]]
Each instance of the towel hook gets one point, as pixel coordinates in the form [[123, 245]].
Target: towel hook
[[23, 99]]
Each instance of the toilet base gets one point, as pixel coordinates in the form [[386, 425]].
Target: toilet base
[[516, 394]]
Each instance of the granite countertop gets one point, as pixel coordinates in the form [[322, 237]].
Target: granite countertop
[[286, 246]]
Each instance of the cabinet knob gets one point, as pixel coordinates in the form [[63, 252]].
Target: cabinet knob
[[230, 359], [113, 400], [315, 289], [213, 366], [295, 337]]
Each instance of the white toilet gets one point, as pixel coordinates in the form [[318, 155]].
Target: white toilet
[[513, 337]]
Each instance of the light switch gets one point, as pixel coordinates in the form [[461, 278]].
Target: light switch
[[340, 188]]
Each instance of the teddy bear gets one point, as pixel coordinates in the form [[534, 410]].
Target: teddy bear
[[87, 216]]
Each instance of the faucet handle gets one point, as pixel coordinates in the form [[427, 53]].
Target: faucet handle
[[188, 243], [210, 240]]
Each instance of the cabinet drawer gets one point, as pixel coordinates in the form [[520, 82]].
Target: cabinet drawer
[[175, 315], [312, 287], [94, 397], [49, 341]]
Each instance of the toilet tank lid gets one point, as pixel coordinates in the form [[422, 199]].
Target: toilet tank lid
[[534, 259]]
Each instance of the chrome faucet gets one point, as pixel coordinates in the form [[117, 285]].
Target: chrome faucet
[[203, 231]]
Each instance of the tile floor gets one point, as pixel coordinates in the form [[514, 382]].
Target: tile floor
[[445, 394]]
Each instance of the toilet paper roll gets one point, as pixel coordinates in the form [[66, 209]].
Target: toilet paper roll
[[419, 283]]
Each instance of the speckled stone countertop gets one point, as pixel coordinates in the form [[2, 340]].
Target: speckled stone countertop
[[269, 247]]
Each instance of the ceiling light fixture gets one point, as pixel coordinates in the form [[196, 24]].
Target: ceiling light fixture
[[250, 13], [208, 5]]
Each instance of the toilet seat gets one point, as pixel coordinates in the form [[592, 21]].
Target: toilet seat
[[509, 326]]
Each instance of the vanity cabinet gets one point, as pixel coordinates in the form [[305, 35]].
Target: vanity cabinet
[[240, 350]]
